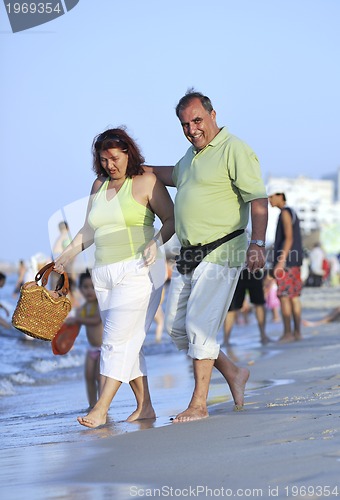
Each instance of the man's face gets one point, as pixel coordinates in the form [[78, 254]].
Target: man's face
[[199, 126]]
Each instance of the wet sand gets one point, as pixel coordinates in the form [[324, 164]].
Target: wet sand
[[283, 445]]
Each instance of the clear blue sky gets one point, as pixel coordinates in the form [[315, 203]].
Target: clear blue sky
[[271, 68]]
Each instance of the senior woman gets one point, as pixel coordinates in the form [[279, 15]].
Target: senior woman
[[128, 273]]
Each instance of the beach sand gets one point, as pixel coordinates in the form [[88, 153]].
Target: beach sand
[[285, 444]]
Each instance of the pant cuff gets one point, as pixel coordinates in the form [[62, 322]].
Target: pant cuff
[[202, 352]]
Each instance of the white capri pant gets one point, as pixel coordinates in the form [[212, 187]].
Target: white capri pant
[[128, 300], [197, 305]]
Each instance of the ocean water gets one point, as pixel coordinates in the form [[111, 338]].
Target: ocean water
[[41, 394]]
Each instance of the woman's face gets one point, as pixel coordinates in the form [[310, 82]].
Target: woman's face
[[114, 161]]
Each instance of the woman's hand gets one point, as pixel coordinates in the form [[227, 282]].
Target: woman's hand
[[60, 264], [150, 253]]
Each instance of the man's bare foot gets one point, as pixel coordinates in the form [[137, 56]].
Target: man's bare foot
[[238, 385], [265, 340], [93, 419], [287, 337], [142, 414], [191, 413], [297, 336]]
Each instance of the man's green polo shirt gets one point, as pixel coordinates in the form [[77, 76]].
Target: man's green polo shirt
[[214, 188]]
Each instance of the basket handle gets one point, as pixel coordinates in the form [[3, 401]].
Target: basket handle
[[44, 273]]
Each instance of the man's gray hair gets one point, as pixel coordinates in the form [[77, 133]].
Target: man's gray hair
[[189, 96]]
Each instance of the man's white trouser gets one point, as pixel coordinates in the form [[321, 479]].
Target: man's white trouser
[[197, 305]]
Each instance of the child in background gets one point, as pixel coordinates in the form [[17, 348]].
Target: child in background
[[89, 316], [3, 322], [272, 300]]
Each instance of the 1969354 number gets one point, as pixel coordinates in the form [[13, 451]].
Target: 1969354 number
[[34, 8]]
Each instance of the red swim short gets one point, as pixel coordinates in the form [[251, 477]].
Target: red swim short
[[289, 282]]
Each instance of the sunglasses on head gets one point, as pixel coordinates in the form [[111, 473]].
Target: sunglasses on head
[[108, 136]]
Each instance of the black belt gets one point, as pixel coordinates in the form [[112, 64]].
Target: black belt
[[189, 257]]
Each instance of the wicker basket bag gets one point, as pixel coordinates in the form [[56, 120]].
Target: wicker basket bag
[[41, 312]]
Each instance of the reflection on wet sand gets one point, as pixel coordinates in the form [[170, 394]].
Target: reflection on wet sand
[[114, 428]]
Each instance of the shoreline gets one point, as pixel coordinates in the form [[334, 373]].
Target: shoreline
[[286, 437]]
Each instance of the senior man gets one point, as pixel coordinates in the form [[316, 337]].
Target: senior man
[[218, 180]]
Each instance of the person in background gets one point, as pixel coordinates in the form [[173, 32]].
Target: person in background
[[253, 283], [334, 277], [270, 295], [88, 315], [329, 318], [34, 264], [20, 279], [63, 239], [159, 316], [159, 320], [3, 322], [218, 181], [128, 274], [326, 267], [316, 259], [242, 315], [287, 261]]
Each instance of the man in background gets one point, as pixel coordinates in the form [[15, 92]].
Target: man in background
[[253, 284], [287, 262]]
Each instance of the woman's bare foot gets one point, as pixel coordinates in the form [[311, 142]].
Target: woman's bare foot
[[191, 413], [93, 419], [238, 385], [142, 414]]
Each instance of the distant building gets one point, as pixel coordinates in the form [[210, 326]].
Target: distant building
[[316, 202], [335, 177]]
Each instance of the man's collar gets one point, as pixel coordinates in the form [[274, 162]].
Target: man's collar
[[220, 137]]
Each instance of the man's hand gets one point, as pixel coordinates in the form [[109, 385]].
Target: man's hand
[[279, 269], [256, 257]]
